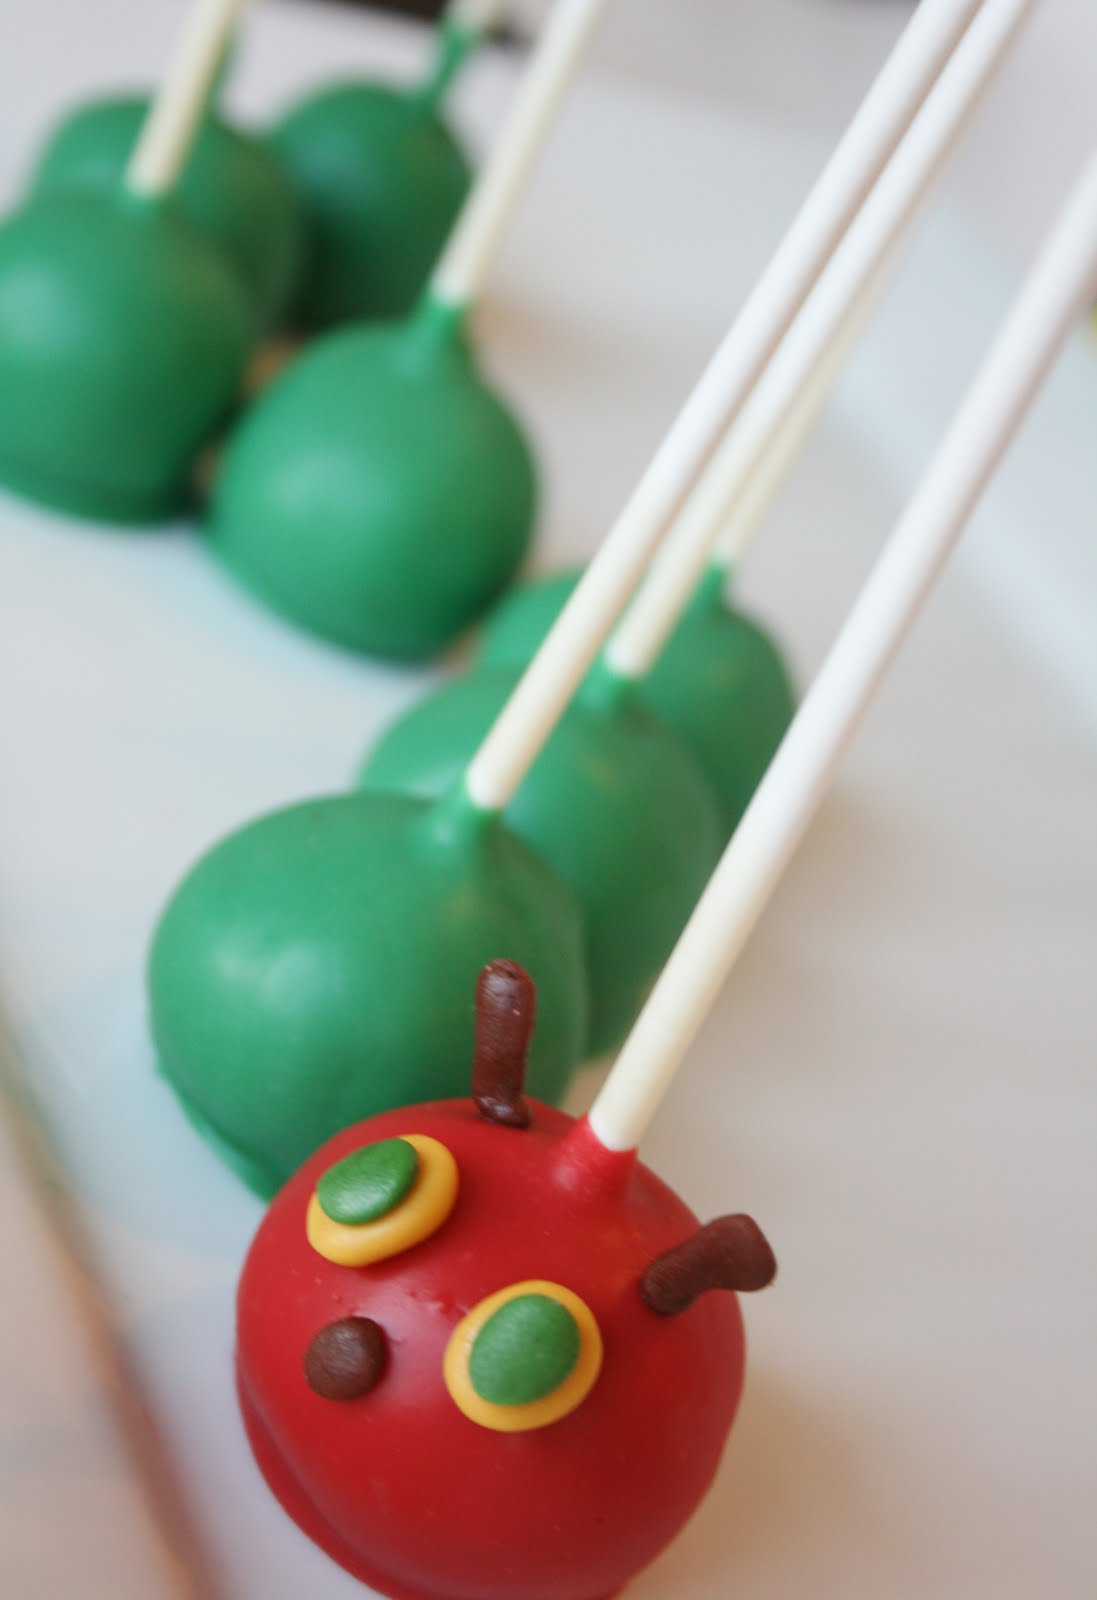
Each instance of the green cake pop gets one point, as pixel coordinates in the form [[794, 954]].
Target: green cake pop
[[314, 968], [123, 333], [379, 494], [614, 802], [719, 682], [383, 179], [233, 190]]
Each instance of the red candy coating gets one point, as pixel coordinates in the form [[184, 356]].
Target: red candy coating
[[398, 1485]]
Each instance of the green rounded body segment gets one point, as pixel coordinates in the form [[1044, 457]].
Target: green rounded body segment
[[316, 967], [524, 1351], [233, 190], [382, 179], [379, 494], [369, 1183], [123, 341], [720, 681], [615, 804]]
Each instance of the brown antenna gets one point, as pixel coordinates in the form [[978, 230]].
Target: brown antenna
[[506, 1007], [729, 1253]]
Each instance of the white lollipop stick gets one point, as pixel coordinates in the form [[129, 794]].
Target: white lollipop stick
[[1057, 292], [169, 129], [738, 525], [475, 237], [581, 628], [825, 329]]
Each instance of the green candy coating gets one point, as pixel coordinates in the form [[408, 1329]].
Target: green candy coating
[[524, 1351], [123, 339], [383, 180], [720, 682], [233, 190], [319, 965], [378, 494], [614, 803], [369, 1183]]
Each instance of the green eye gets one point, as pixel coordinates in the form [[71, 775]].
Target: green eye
[[369, 1183], [381, 1200], [524, 1351], [524, 1357]]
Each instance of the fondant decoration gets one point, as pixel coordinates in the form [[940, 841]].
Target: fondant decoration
[[379, 493], [614, 803], [346, 1359], [522, 1346], [506, 1010], [730, 1253], [419, 1212], [524, 1357], [123, 333], [369, 1183]]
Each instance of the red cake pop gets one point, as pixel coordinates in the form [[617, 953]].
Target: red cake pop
[[525, 1390]]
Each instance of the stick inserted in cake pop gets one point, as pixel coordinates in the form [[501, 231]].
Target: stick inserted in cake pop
[[1061, 285], [136, 351], [472, 246], [173, 119], [892, 101], [380, 493]]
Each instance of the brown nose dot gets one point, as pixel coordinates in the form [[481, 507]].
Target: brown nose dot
[[346, 1359]]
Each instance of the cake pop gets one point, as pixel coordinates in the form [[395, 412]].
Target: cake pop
[[379, 493], [383, 179], [286, 975], [233, 190], [123, 333], [511, 1271], [614, 803], [528, 1324]]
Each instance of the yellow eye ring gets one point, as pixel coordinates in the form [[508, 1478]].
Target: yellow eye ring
[[534, 1413], [421, 1213]]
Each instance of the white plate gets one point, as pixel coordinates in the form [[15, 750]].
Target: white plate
[[899, 1079]]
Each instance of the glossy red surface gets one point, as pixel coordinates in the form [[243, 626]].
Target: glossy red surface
[[398, 1485]]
